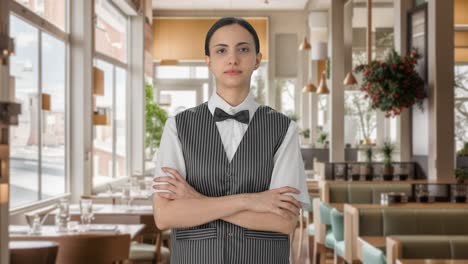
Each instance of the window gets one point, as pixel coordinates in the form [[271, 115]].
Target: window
[[461, 105], [51, 10], [258, 83], [180, 87], [110, 30], [286, 89], [110, 149], [109, 144], [360, 118], [38, 143]]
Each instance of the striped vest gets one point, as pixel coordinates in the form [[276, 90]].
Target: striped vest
[[210, 173]]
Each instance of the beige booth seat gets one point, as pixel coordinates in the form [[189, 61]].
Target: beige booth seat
[[427, 247]]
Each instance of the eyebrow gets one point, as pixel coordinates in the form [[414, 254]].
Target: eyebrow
[[225, 45]]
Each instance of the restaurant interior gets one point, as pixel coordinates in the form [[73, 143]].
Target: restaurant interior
[[378, 90]]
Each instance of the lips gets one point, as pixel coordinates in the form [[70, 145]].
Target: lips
[[233, 72]]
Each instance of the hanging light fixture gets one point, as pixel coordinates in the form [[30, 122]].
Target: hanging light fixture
[[350, 79], [305, 45], [309, 88], [323, 88]]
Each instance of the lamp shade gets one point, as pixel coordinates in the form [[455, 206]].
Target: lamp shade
[[350, 79], [309, 88], [319, 51], [304, 45], [323, 88]]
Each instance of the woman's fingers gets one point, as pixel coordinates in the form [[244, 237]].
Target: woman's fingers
[[288, 189], [174, 173], [290, 199], [289, 207], [166, 179], [169, 196], [166, 187]]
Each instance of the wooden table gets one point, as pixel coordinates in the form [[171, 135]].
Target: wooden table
[[351, 220], [432, 261], [17, 232], [375, 241]]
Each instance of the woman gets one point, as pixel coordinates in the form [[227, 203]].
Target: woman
[[228, 172]]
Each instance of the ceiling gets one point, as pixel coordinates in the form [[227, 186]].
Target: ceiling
[[229, 4]]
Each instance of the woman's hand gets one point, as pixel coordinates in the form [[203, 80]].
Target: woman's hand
[[276, 201], [178, 186]]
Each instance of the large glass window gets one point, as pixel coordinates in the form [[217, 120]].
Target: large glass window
[[110, 30], [360, 119], [51, 10], [286, 94], [38, 143], [109, 144], [461, 105]]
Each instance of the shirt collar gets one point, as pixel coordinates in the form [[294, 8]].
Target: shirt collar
[[217, 101]]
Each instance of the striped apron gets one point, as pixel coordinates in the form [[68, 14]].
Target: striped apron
[[210, 173]]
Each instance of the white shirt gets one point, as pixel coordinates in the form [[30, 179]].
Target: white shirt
[[288, 167]]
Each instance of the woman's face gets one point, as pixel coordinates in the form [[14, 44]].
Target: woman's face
[[232, 56]]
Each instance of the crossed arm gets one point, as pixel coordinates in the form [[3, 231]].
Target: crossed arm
[[272, 210]]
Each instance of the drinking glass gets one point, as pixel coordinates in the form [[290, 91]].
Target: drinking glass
[[63, 215], [86, 212]]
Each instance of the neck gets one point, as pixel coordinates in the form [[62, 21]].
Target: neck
[[233, 96]]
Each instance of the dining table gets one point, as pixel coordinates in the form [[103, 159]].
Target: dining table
[[21, 232]]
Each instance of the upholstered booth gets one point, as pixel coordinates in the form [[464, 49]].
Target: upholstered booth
[[427, 247]]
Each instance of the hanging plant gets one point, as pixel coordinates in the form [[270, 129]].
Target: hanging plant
[[393, 84]]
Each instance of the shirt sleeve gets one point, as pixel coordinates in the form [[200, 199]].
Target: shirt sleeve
[[169, 153], [288, 166]]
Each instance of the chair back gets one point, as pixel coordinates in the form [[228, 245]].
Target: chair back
[[42, 252], [91, 248]]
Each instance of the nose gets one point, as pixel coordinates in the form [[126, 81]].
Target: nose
[[232, 59]]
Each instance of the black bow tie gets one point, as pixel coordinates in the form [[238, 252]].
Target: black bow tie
[[242, 116]]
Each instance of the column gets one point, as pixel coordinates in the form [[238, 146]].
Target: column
[[336, 102]]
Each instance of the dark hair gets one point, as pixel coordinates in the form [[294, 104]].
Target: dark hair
[[226, 21]]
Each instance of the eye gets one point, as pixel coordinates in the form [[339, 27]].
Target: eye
[[221, 51], [244, 49]]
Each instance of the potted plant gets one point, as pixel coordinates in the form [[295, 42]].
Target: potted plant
[[462, 156], [155, 120], [367, 169], [461, 174], [459, 189], [393, 84], [305, 133], [387, 150], [322, 137]]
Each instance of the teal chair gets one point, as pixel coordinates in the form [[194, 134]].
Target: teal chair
[[325, 218], [337, 224], [321, 250], [373, 255]]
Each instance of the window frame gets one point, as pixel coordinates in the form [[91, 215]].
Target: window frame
[[42, 25], [114, 62]]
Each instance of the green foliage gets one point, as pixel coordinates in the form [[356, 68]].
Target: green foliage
[[463, 151], [322, 136], [155, 120], [387, 150], [369, 155], [393, 84], [305, 133], [293, 116], [461, 174]]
